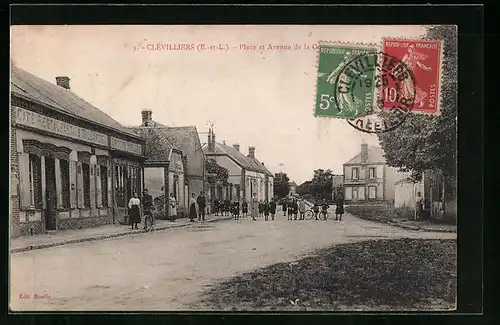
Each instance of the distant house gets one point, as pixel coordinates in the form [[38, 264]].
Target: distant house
[[247, 175], [368, 178], [174, 164]]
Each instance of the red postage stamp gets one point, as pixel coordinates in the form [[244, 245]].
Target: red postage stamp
[[423, 58]]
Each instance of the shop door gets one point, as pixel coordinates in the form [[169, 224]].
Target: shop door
[[50, 194]]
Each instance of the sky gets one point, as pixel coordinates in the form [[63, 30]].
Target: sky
[[261, 98]]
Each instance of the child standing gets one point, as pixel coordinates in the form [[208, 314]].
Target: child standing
[[244, 208], [324, 209], [339, 210], [272, 208], [302, 209], [261, 208], [236, 210], [316, 210], [266, 210]]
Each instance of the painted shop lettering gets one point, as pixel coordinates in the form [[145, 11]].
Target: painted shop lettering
[[38, 121], [126, 146]]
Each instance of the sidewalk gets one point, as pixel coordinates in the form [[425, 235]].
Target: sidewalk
[[65, 237], [425, 226]]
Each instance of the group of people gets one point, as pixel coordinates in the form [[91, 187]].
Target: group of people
[[257, 208], [294, 209]]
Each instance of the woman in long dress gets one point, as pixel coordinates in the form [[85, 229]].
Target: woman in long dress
[[134, 206], [192, 208], [255, 207], [412, 60], [173, 207]]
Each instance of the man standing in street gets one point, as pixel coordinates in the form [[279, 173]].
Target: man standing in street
[[201, 206], [147, 205], [272, 208]]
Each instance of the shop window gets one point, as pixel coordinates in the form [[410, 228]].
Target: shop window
[[120, 178], [65, 185], [86, 185], [104, 185]]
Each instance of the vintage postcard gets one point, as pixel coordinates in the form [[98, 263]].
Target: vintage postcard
[[233, 168]]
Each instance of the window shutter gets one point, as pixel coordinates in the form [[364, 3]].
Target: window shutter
[[24, 180], [57, 166], [92, 185], [72, 184], [362, 172], [79, 184], [111, 189], [44, 182], [98, 186]]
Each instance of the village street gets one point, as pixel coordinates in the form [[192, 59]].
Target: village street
[[168, 270]]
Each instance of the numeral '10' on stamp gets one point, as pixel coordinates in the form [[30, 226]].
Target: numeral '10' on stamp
[[423, 58]]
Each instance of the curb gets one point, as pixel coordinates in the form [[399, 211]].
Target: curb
[[407, 227], [101, 237]]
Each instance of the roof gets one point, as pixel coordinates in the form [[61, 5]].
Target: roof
[[186, 139], [252, 164], [31, 87], [375, 155], [158, 144]]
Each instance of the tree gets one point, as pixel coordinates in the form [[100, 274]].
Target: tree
[[321, 184], [215, 174], [424, 142], [281, 185], [304, 188]]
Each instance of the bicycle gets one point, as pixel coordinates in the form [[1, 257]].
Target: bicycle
[[321, 215], [149, 221]]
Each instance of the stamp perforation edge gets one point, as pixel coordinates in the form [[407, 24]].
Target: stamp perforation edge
[[376, 46], [440, 67]]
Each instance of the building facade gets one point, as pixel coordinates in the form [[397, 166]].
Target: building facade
[[438, 195], [174, 164], [368, 178], [72, 166], [247, 175]]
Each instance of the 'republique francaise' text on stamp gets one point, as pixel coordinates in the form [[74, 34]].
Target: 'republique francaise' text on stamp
[[332, 59], [423, 58]]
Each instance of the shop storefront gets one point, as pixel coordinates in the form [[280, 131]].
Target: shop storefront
[[63, 164]]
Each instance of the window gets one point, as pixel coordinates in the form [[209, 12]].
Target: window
[[86, 185], [372, 173], [355, 173], [104, 185], [65, 187], [372, 192]]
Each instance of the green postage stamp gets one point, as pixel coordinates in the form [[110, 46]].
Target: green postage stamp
[[336, 98]]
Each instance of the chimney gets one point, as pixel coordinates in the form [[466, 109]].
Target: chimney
[[236, 146], [63, 82], [364, 153], [211, 140], [146, 117], [263, 164], [251, 152]]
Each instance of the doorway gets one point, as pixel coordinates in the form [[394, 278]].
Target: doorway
[[50, 194]]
